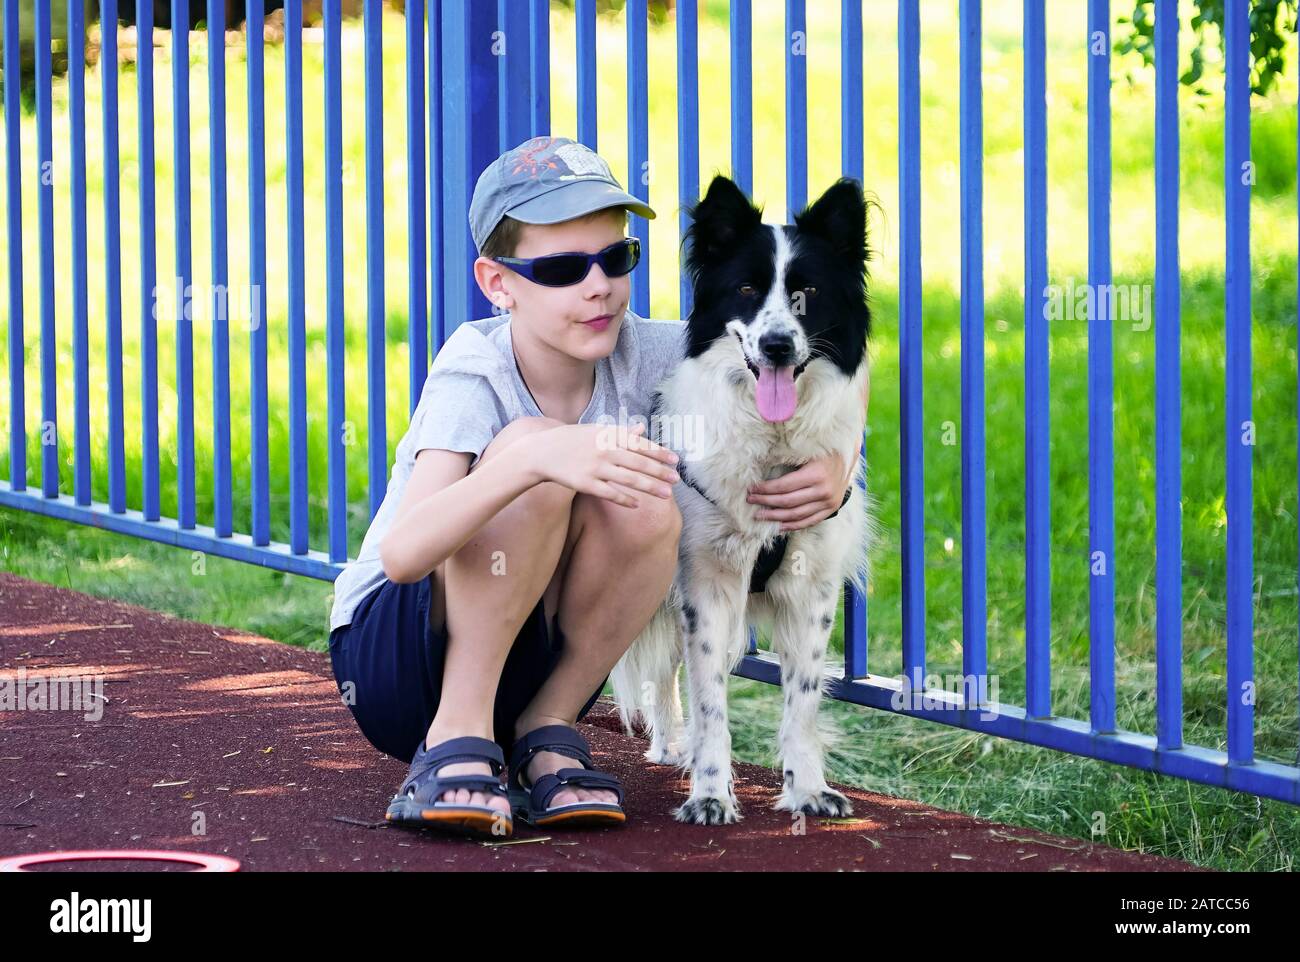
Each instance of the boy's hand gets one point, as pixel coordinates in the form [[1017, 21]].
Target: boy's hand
[[805, 496], [605, 460]]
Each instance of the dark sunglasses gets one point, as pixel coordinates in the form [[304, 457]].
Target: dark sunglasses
[[562, 270]]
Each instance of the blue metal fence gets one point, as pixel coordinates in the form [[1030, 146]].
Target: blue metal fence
[[481, 98]]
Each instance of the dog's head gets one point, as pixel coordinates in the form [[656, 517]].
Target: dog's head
[[790, 296]]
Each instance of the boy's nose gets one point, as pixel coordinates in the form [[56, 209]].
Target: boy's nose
[[597, 282]]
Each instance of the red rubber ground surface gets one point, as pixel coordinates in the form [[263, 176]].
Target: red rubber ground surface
[[252, 734]]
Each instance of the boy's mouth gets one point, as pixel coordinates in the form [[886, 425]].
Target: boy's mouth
[[599, 323]]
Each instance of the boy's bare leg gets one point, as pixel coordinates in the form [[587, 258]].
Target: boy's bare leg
[[493, 583], [571, 543], [616, 568]]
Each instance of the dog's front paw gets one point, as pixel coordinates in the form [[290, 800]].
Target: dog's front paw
[[824, 801], [708, 811]]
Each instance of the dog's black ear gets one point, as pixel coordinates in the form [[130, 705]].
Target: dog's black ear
[[722, 218], [840, 217]]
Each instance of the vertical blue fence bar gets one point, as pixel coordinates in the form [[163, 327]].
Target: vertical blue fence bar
[[437, 303], [417, 305], [1240, 428], [373, 12], [585, 23], [851, 136], [148, 262], [112, 256], [909, 337], [1101, 444], [974, 532], [297, 283], [470, 135], [796, 108], [45, 214], [1168, 298], [184, 274], [539, 19], [851, 164], [855, 632], [458, 111], [221, 474], [335, 337], [742, 95], [688, 127], [80, 311], [14, 220], [638, 145], [1038, 558], [516, 107], [259, 446]]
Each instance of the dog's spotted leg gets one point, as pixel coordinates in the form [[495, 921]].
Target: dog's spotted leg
[[800, 636], [713, 617]]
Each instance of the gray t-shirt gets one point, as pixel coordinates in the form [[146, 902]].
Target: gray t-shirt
[[474, 389]]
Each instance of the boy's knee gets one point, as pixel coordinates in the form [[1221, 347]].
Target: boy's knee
[[512, 432], [654, 522], [522, 426], [547, 499], [541, 500]]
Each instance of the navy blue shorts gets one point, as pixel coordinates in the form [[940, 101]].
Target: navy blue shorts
[[394, 659]]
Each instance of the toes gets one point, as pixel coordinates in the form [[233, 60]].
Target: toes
[[595, 795], [477, 799]]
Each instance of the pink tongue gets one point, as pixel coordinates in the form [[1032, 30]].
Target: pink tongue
[[775, 394]]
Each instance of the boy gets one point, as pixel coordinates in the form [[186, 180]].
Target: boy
[[522, 545]]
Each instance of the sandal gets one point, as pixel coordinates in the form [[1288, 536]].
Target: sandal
[[529, 802], [417, 802]]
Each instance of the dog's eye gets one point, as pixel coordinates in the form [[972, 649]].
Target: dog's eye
[[810, 291], [745, 290]]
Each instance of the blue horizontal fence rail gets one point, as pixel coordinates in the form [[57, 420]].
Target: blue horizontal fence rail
[[472, 97]]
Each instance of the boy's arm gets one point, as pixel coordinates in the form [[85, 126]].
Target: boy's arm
[[441, 509]]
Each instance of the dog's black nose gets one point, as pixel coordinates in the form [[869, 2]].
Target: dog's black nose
[[777, 348]]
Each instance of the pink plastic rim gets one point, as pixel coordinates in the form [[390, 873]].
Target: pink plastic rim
[[206, 863]]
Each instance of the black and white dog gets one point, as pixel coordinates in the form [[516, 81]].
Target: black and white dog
[[775, 374]]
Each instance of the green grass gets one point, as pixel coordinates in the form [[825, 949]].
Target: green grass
[[994, 778]]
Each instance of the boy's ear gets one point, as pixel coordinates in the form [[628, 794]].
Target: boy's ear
[[488, 274]]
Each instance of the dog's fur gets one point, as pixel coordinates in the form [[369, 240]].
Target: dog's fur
[[750, 280]]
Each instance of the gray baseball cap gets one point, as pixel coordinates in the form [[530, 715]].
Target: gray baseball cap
[[546, 180]]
